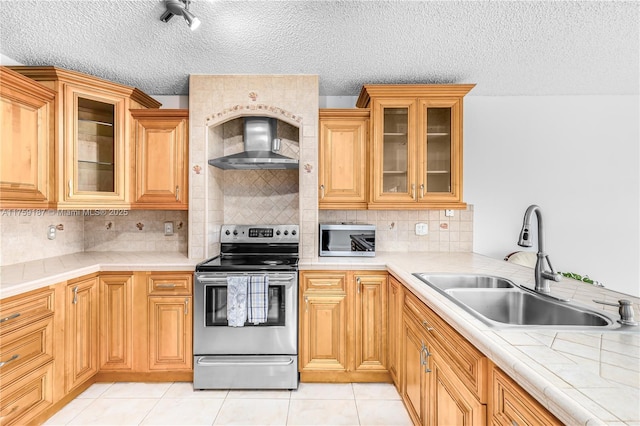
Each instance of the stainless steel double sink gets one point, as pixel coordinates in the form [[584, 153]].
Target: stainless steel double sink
[[500, 303]]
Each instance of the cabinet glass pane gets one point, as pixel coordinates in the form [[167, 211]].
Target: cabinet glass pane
[[95, 146], [438, 150], [395, 150]]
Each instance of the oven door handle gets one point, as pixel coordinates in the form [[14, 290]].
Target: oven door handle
[[203, 360], [224, 279]]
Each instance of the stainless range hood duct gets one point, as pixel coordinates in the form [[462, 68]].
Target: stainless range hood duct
[[260, 148]]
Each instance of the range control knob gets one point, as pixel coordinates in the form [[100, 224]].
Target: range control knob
[[278, 232], [286, 232], [227, 232], [293, 232], [235, 232]]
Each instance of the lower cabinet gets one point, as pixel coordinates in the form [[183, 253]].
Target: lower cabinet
[[81, 332], [511, 405], [432, 385], [116, 322], [169, 337], [343, 326], [26, 356]]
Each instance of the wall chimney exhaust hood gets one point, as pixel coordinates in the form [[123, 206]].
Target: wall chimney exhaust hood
[[261, 147]]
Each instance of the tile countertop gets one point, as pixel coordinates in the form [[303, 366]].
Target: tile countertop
[[22, 277], [584, 378]]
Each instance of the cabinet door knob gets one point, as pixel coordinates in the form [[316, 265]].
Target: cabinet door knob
[[413, 191], [322, 191], [306, 304], [70, 188], [422, 190], [358, 284], [177, 193], [186, 306]]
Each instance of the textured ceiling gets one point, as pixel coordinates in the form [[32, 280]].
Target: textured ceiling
[[506, 48]]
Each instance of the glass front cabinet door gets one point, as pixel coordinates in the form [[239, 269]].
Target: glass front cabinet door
[[95, 128], [416, 159]]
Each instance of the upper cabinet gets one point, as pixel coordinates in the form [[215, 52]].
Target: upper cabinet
[[26, 149], [344, 134], [161, 151], [92, 137], [416, 145]]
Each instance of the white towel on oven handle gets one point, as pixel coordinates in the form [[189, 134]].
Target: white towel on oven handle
[[237, 300], [258, 304]]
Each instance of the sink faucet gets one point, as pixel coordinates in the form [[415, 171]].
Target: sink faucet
[[541, 276]]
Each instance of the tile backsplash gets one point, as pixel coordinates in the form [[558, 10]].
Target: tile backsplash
[[24, 238], [395, 229], [139, 230]]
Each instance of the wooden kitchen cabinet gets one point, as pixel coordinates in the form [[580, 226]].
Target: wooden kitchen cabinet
[[416, 151], [169, 321], [343, 325], [323, 323], [342, 171], [26, 356], [27, 142], [161, 159], [443, 377], [92, 136], [81, 331], [394, 329], [510, 405], [116, 322]]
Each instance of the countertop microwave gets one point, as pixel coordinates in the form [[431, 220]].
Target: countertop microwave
[[347, 239]]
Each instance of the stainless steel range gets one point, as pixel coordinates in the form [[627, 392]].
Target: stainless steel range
[[245, 319]]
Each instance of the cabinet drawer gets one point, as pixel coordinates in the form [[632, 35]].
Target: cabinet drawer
[[18, 311], [467, 362], [323, 281], [26, 348], [511, 405], [170, 284], [27, 397]]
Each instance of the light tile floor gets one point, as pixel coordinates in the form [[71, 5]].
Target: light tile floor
[[178, 404]]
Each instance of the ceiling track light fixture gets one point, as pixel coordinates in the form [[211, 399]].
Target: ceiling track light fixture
[[180, 7]]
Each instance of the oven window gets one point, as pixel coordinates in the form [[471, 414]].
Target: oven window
[[215, 308]]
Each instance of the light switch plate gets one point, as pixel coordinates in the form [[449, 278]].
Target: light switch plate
[[422, 229]]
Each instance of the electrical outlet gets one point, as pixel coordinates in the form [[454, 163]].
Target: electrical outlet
[[168, 228], [422, 229], [51, 233], [448, 213]]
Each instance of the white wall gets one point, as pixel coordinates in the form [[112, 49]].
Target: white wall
[[577, 157]]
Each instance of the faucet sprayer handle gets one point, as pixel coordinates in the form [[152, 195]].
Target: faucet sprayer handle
[[552, 274], [625, 309]]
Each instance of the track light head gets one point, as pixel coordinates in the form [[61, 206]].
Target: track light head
[[180, 7]]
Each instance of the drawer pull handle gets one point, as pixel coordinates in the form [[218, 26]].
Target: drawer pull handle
[[10, 317], [322, 192], [75, 295], [166, 286], [177, 193], [426, 325], [358, 284], [422, 190], [306, 303], [13, 358]]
